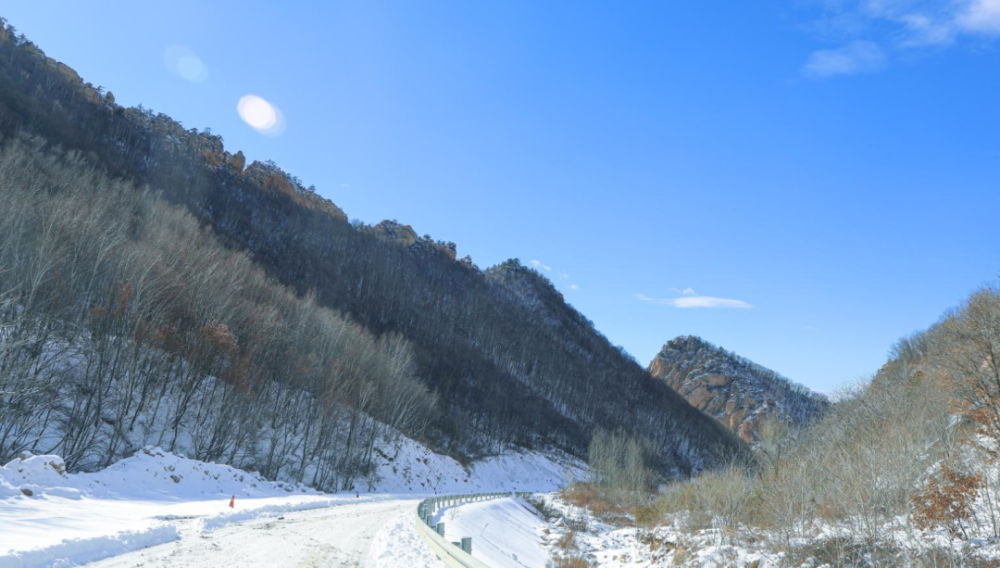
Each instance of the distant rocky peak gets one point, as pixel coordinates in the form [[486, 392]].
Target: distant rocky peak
[[736, 391]]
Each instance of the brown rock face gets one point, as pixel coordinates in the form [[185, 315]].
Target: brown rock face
[[271, 178], [404, 235], [734, 390], [68, 72], [238, 161], [450, 253], [393, 231], [718, 380]]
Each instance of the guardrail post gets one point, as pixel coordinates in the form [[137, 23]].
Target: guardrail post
[[467, 544], [440, 529]]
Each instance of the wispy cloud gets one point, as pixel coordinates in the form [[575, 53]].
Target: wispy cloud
[[924, 31], [866, 34], [539, 264], [694, 301], [980, 16], [852, 59]]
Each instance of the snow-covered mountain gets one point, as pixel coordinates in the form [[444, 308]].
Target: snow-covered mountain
[[738, 392]]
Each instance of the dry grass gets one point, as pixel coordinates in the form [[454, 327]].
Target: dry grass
[[567, 542], [574, 562], [569, 553], [597, 501], [724, 499]]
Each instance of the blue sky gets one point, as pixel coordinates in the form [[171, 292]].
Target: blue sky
[[802, 182]]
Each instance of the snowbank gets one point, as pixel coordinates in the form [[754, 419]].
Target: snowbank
[[151, 474], [216, 521], [75, 551], [398, 545]]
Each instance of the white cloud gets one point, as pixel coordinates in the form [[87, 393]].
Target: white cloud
[[692, 301], [852, 59], [980, 16], [538, 264], [563, 275], [574, 287], [922, 30], [867, 27]]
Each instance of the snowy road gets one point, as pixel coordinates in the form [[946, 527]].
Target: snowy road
[[178, 508], [333, 537]]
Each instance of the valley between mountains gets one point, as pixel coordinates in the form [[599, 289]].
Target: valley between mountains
[[205, 362]]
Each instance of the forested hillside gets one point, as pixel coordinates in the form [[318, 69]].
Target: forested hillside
[[274, 302], [733, 389], [124, 324]]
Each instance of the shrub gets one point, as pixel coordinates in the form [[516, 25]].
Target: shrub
[[947, 500]]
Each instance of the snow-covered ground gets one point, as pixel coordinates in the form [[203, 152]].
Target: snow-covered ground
[[398, 545], [47, 515], [506, 533], [52, 518], [574, 532]]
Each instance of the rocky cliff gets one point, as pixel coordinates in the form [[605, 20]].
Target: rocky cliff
[[404, 235], [734, 390]]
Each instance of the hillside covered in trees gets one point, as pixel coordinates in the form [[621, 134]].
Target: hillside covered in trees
[[154, 280]]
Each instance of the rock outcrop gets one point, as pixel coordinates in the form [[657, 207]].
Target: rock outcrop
[[734, 390], [404, 235], [396, 232]]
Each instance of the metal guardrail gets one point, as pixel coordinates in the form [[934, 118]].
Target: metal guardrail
[[454, 554]]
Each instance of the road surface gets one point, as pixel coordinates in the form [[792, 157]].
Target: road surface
[[334, 537]]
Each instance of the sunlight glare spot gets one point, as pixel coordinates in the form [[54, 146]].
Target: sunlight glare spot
[[260, 114], [184, 63]]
